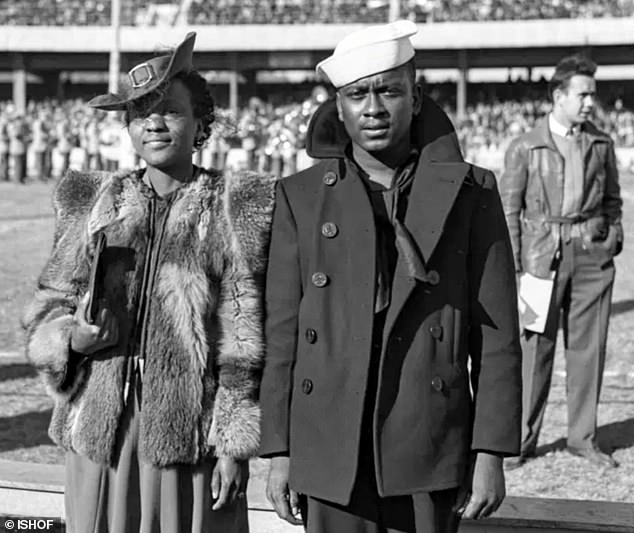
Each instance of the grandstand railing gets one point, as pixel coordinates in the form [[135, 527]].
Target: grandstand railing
[[450, 36]]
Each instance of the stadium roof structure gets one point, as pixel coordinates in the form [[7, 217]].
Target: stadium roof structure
[[251, 47]]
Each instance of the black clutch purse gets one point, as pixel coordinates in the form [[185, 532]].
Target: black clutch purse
[[95, 284]]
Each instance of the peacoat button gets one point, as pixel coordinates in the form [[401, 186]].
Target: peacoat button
[[307, 386], [329, 230], [319, 279], [436, 331], [311, 336], [330, 178], [437, 383], [432, 277]]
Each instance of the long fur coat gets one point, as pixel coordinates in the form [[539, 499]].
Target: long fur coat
[[204, 320]]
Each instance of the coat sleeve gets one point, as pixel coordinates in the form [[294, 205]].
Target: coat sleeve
[[247, 206], [48, 319], [494, 346], [283, 295], [512, 190], [612, 202]]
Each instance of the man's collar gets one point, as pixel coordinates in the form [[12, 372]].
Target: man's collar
[[556, 127]]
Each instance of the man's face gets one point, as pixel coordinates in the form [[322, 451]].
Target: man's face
[[574, 105], [377, 110]]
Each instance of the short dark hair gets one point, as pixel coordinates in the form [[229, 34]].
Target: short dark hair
[[568, 67], [202, 101]]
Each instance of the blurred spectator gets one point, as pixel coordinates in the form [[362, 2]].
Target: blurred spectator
[[262, 137], [40, 146], [481, 10], [4, 149], [143, 12], [17, 133], [72, 12], [488, 128]]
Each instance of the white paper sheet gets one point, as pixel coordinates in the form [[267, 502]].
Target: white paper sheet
[[534, 295]]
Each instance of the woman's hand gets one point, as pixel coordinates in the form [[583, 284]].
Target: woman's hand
[[89, 338], [228, 481]]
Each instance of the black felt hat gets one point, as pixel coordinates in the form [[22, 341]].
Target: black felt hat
[[147, 76]]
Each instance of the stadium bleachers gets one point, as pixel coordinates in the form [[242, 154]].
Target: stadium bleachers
[[271, 137], [201, 12]]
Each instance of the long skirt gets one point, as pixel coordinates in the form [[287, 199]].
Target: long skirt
[[133, 497]]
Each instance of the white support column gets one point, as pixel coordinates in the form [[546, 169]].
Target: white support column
[[234, 81], [463, 75], [233, 92], [115, 54], [395, 10], [19, 83]]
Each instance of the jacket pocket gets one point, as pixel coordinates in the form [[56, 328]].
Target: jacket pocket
[[603, 250]]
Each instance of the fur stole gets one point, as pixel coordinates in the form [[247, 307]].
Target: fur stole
[[203, 322]]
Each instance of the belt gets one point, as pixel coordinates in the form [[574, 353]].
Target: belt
[[566, 220], [570, 227]]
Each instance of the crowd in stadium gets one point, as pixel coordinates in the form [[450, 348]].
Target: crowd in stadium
[[264, 137], [97, 12]]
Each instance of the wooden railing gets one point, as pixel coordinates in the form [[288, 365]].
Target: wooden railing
[[37, 490]]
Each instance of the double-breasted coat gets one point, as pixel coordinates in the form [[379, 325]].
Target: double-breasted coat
[[431, 411]]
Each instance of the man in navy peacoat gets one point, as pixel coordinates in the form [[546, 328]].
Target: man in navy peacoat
[[393, 368]]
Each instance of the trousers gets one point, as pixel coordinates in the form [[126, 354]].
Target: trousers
[[581, 300]]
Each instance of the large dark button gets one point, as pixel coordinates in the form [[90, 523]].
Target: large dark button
[[436, 331], [432, 277], [311, 336], [319, 279], [437, 383], [330, 178], [307, 386], [329, 229]]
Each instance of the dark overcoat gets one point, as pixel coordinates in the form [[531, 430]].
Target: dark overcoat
[[431, 410]]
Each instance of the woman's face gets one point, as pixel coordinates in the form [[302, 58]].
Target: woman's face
[[164, 134]]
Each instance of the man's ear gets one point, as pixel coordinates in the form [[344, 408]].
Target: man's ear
[[339, 109], [417, 95]]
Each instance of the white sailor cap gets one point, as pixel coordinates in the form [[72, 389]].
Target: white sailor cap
[[369, 51]]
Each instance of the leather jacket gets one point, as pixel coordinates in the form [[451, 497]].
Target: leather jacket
[[532, 186]]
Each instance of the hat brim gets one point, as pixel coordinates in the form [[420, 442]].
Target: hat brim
[[179, 61]]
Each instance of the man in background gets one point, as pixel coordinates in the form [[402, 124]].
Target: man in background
[[561, 197]]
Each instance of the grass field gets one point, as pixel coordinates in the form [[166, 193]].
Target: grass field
[[26, 227]]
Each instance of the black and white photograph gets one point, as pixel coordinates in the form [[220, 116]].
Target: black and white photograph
[[316, 266]]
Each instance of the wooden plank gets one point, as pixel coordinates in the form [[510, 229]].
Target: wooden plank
[[40, 488], [31, 476], [558, 514], [18, 502]]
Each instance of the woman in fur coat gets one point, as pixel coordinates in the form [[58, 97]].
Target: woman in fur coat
[[156, 399]]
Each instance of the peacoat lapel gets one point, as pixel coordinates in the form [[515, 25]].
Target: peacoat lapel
[[439, 176], [434, 191]]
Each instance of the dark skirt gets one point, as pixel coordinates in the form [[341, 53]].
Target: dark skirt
[[133, 497]]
